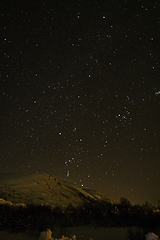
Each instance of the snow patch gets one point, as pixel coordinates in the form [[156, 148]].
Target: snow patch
[[151, 236], [47, 235]]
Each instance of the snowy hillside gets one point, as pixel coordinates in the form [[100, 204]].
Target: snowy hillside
[[42, 189]]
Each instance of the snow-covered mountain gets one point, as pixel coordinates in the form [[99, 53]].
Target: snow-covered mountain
[[43, 189]]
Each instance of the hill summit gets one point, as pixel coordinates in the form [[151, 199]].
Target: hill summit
[[43, 189]]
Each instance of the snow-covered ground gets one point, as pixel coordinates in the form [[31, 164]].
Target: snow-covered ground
[[87, 232], [18, 236], [81, 233]]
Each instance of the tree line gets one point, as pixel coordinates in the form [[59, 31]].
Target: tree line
[[97, 213]]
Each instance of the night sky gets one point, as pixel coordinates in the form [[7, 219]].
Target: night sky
[[80, 93]]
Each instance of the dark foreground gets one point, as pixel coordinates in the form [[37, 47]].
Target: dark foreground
[[102, 220]]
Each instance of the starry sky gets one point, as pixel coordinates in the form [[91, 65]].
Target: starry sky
[[80, 93]]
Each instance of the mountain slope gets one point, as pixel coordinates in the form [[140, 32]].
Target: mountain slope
[[41, 189]]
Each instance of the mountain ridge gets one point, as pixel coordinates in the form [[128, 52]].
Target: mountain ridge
[[44, 189]]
